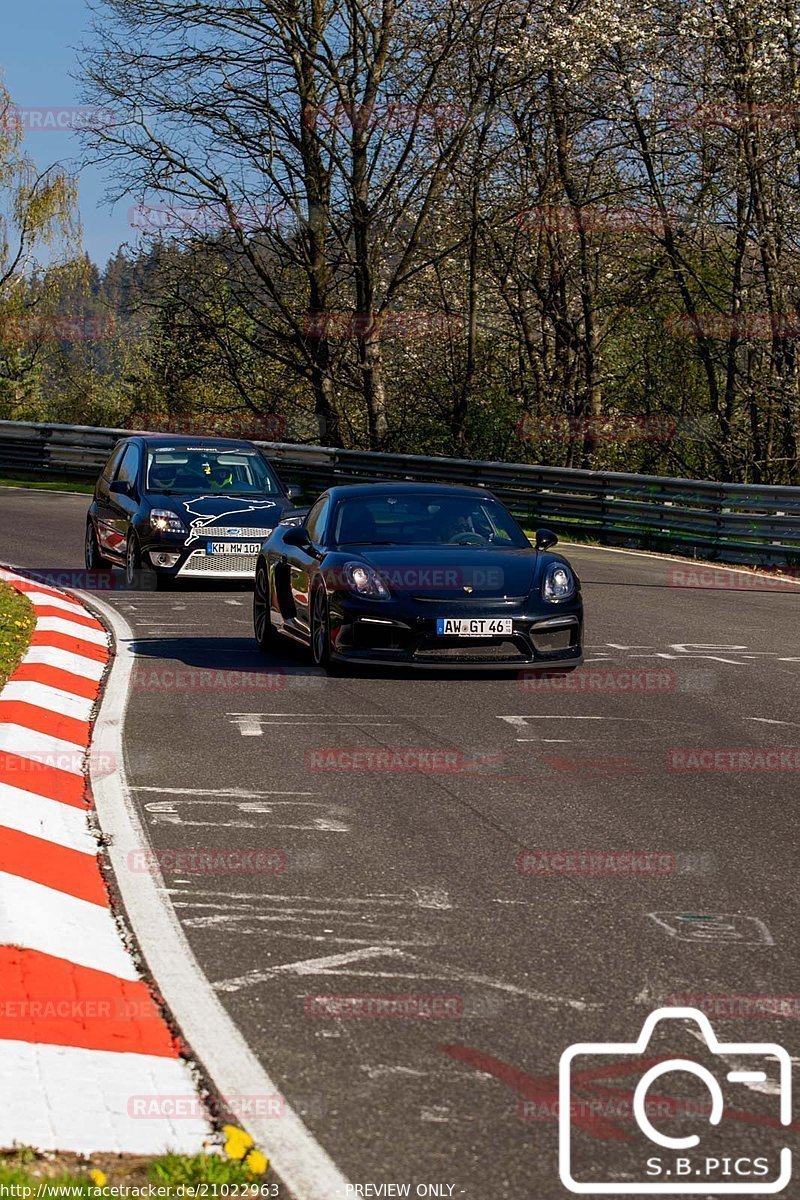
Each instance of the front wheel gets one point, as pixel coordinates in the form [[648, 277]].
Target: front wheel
[[262, 621], [92, 556], [320, 630], [133, 561]]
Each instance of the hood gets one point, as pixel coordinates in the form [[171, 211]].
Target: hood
[[224, 516], [449, 572]]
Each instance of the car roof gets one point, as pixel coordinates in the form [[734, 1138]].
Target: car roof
[[197, 439], [340, 491]]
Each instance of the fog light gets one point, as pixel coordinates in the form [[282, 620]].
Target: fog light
[[159, 558]]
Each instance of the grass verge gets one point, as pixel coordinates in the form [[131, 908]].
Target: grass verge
[[47, 485], [57, 1176], [17, 622]]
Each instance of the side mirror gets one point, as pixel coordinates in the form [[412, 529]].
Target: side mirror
[[294, 491], [296, 536], [545, 538], [121, 487]]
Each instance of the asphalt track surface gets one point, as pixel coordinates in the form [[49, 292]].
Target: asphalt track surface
[[409, 882]]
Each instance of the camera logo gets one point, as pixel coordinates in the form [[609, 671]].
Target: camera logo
[[692, 1163]]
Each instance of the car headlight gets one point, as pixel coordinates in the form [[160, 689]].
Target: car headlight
[[364, 581], [162, 520], [559, 583]]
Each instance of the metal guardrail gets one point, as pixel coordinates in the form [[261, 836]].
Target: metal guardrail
[[744, 523]]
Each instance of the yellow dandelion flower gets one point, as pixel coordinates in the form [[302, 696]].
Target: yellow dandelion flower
[[238, 1142], [98, 1178], [256, 1163]]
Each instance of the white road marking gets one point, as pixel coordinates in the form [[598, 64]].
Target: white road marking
[[252, 724], [431, 897], [237, 793], [41, 918], [769, 721], [422, 968], [166, 812], [79, 1100], [298, 1159], [718, 928]]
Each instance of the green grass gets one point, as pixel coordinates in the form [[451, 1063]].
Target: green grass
[[91, 1176], [47, 485], [17, 623]]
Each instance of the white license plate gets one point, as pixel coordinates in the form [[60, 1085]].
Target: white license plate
[[473, 627], [250, 548]]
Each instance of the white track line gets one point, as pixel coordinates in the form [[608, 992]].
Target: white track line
[[43, 818], [84, 1100], [36, 917], [299, 1160]]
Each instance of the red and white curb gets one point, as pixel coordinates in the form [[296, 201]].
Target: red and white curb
[[86, 1058]]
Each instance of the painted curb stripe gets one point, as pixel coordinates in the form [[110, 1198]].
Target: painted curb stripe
[[69, 626], [42, 779], [45, 818], [56, 677], [50, 699], [31, 585], [65, 660], [44, 599], [56, 867], [83, 1100], [42, 720], [81, 1036], [71, 643], [37, 917], [42, 747], [75, 616], [48, 1000]]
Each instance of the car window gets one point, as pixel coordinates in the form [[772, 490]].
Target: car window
[[107, 474], [424, 519], [316, 519], [129, 467], [193, 470]]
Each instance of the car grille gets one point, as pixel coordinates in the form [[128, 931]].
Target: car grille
[[201, 563], [490, 603], [505, 651]]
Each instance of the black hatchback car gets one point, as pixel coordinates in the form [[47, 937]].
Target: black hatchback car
[[419, 574], [184, 507]]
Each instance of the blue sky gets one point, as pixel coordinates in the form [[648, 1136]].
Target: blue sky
[[37, 59]]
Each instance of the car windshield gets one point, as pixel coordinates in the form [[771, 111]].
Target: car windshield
[[425, 519], [189, 470]]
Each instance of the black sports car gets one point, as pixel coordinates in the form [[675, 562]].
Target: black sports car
[[184, 507], [421, 574]]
